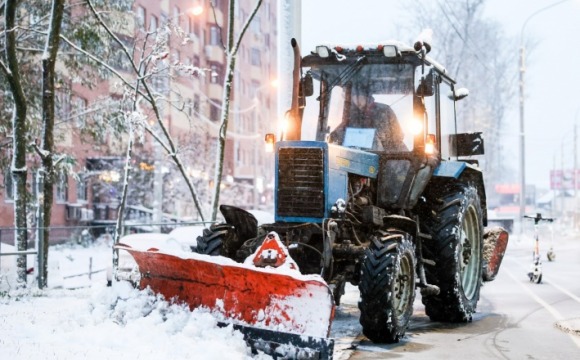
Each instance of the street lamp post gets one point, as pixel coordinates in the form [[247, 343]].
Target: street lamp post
[[576, 168], [522, 70], [255, 193], [256, 162]]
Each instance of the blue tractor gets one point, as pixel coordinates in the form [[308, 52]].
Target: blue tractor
[[375, 186]]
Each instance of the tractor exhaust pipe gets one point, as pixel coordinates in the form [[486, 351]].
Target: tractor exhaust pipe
[[294, 128]]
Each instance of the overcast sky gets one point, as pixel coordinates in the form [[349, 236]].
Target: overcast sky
[[552, 78]]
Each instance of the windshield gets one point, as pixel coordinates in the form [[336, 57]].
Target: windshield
[[368, 106]]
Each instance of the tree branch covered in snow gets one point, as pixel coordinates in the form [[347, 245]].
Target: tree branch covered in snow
[[151, 98], [135, 121], [231, 52], [458, 40]]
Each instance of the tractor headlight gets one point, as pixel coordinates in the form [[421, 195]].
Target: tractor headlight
[[270, 140], [390, 51], [323, 51], [430, 144], [415, 127]]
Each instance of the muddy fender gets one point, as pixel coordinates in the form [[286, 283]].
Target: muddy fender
[[495, 242]]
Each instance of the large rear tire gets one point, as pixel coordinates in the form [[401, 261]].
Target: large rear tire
[[225, 239], [454, 220], [216, 240], [387, 287]]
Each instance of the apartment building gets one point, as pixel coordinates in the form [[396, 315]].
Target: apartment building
[[190, 107]]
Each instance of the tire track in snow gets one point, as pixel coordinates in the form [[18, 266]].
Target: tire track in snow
[[555, 313]]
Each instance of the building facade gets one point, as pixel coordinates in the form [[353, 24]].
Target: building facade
[[188, 80]]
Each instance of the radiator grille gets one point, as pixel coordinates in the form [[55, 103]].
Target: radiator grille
[[301, 182]]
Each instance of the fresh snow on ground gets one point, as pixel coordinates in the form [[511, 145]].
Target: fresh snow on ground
[[85, 319], [82, 318]]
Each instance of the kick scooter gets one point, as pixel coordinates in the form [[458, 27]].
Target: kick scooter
[[535, 273]]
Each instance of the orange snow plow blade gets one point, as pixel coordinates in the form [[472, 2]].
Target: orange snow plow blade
[[279, 299]]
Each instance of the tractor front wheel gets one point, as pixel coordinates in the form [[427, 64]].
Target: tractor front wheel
[[387, 287]]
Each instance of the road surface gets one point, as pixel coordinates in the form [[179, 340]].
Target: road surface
[[515, 319]]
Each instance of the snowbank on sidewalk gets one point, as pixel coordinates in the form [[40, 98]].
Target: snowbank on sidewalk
[[118, 322]]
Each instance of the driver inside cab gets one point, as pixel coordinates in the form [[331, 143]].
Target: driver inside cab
[[362, 112]]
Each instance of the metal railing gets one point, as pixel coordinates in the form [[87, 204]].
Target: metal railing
[[74, 235]]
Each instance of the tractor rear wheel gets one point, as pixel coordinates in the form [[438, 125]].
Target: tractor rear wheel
[[219, 239], [454, 220], [387, 287], [225, 239]]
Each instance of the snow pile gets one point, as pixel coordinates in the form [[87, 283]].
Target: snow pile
[[111, 323]]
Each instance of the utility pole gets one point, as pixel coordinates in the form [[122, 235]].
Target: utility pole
[[575, 173], [563, 191], [522, 71], [554, 185], [522, 138]]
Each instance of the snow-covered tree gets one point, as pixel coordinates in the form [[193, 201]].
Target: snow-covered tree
[[231, 51], [480, 57], [11, 69]]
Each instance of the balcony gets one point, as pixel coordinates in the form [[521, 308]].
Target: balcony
[[214, 53]]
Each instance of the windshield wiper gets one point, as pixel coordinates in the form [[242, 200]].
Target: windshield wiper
[[344, 76]]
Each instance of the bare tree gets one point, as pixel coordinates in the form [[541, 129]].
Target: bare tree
[[48, 105], [19, 170], [231, 50], [477, 54]]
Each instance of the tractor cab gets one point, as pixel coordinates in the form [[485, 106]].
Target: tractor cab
[[379, 98], [391, 100]]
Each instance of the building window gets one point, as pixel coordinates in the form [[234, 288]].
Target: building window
[[140, 15], [176, 15], [189, 107], [215, 74], [81, 189], [196, 104], [61, 188], [119, 60], [63, 104], [256, 25], [197, 28], [255, 85], [80, 109], [8, 185], [255, 57], [214, 35], [214, 110], [153, 23]]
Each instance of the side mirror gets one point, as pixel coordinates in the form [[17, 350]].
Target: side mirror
[[458, 94], [466, 144], [427, 85], [307, 85]]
